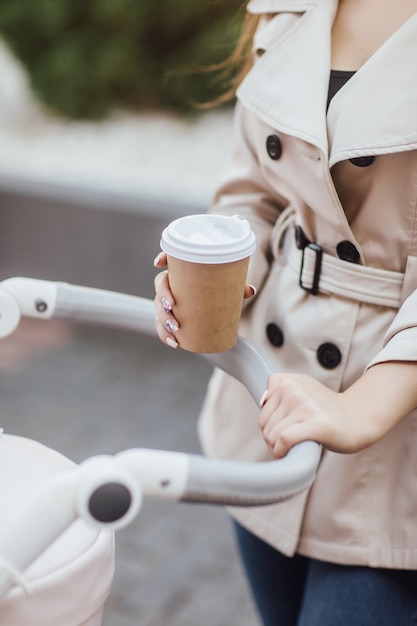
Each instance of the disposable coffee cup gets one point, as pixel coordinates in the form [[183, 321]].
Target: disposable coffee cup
[[208, 257]]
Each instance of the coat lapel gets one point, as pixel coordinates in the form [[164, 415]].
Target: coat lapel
[[376, 111], [287, 87]]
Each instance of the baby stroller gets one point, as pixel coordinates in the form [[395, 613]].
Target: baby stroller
[[58, 518]]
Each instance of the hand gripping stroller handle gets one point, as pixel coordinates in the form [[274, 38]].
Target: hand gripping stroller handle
[[209, 480], [251, 484]]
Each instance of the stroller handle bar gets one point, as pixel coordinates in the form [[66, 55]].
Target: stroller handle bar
[[107, 491], [213, 481]]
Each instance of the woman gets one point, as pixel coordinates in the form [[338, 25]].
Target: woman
[[325, 169]]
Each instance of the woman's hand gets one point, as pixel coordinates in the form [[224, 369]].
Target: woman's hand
[[298, 408], [166, 325]]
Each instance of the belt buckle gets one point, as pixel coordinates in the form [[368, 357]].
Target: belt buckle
[[318, 250]]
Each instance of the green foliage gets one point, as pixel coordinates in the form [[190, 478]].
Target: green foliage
[[87, 57]]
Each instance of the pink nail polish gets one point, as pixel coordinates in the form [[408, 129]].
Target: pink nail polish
[[171, 342], [156, 260], [253, 289], [172, 326], [166, 305]]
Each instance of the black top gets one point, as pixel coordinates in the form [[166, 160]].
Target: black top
[[337, 79]]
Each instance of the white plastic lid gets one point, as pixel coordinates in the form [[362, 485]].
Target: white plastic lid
[[209, 238]]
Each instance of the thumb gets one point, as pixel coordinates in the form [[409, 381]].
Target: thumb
[[250, 291]]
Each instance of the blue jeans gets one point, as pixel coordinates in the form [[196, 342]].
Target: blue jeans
[[299, 591]]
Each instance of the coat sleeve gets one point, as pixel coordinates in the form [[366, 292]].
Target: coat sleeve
[[245, 191], [400, 341]]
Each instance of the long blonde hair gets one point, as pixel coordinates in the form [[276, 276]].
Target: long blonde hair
[[234, 68]]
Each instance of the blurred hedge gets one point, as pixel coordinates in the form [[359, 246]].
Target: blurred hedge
[[87, 57]]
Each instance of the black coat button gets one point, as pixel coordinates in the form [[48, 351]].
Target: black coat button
[[363, 161], [275, 335], [274, 147], [329, 355], [347, 251], [301, 240]]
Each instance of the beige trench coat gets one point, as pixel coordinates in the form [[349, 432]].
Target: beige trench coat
[[362, 508]]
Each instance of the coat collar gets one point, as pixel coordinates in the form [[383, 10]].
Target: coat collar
[[376, 112], [287, 87]]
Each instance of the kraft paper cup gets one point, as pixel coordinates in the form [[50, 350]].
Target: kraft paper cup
[[208, 257]]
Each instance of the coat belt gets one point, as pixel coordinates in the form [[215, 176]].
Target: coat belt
[[320, 272]]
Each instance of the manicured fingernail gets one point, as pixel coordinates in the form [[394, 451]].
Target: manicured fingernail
[[253, 289], [263, 398], [166, 305], [156, 260], [171, 342], [172, 326]]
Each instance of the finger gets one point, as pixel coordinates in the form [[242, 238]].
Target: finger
[[165, 335], [164, 300], [270, 418], [269, 407], [164, 303], [160, 260], [270, 401], [290, 436], [249, 292], [163, 309], [161, 282], [264, 398]]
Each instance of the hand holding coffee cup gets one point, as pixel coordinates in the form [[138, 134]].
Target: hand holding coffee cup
[[207, 257]]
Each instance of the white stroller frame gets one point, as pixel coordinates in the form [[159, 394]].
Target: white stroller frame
[[107, 491]]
